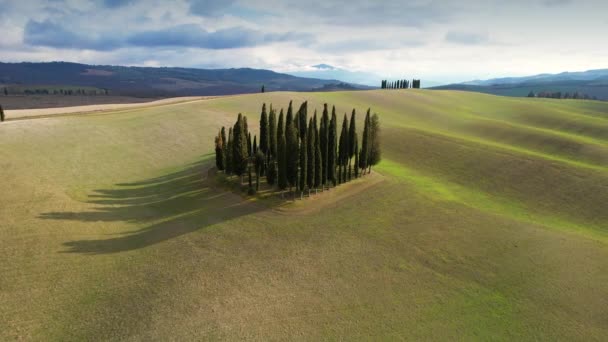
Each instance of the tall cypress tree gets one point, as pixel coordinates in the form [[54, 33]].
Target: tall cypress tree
[[272, 133], [229, 152], [292, 149], [356, 157], [219, 150], [281, 157], [365, 144], [332, 146], [310, 150], [323, 141], [255, 145], [303, 151], [2, 111], [352, 137], [259, 161], [343, 150], [318, 157], [249, 146], [239, 148], [375, 153], [264, 130], [224, 148]]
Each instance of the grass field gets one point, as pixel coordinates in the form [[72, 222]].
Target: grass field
[[489, 222]]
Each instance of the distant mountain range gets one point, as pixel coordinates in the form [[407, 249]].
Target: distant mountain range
[[157, 82], [593, 83], [329, 72]]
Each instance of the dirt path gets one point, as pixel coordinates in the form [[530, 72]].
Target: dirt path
[[20, 114]]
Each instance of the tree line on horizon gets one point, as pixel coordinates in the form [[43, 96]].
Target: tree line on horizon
[[400, 84], [299, 153], [558, 95]]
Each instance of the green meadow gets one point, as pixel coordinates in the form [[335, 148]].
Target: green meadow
[[487, 219]]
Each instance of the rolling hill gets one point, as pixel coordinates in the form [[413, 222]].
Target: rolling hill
[[592, 82], [489, 222], [153, 82]]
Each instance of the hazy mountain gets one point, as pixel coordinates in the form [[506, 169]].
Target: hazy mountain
[[144, 81], [328, 72], [592, 83]]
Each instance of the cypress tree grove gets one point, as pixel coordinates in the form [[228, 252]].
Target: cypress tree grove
[[352, 137], [365, 144], [323, 141], [332, 146], [343, 150], [311, 158], [375, 153]]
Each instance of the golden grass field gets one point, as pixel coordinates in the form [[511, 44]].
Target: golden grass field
[[486, 220]]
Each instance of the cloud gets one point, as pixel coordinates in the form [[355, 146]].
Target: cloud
[[556, 3], [209, 7], [47, 33], [50, 34], [116, 3], [466, 38]]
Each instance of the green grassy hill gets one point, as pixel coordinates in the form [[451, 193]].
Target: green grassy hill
[[491, 223]]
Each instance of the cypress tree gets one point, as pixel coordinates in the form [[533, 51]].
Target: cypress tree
[[259, 161], [352, 137], [281, 151], [251, 191], [302, 118], [229, 149], [323, 141], [2, 111], [310, 150], [292, 149], [343, 150], [224, 148], [219, 151], [365, 144], [332, 146], [249, 146], [375, 153], [318, 157], [239, 148], [271, 172], [272, 133], [264, 130], [356, 157]]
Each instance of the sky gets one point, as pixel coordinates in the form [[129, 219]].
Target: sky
[[439, 41]]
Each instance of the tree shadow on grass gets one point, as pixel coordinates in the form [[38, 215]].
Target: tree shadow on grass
[[169, 206]]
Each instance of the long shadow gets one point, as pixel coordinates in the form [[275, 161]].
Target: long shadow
[[172, 205]]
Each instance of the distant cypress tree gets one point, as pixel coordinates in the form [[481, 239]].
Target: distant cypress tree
[[239, 148], [324, 145], [311, 158], [332, 147], [292, 149], [375, 153], [263, 89], [343, 151], [365, 144], [272, 133], [352, 137], [264, 139], [531, 94], [1, 113]]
